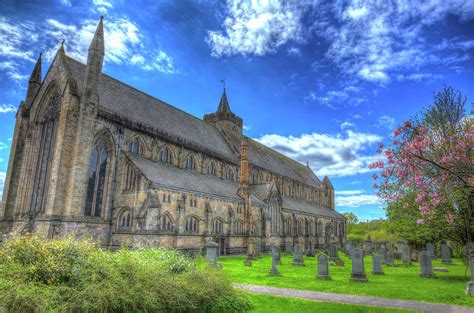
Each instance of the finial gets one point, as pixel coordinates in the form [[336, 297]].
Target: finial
[[41, 53], [62, 43], [223, 82], [307, 163]]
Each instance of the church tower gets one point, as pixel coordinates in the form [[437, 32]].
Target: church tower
[[224, 117]]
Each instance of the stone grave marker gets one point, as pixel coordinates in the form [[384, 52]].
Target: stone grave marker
[[298, 256], [470, 255], [389, 258], [258, 248], [288, 246], [275, 254], [348, 247], [310, 249], [440, 269], [358, 272], [323, 268], [377, 264], [430, 248], [332, 253], [369, 246], [446, 254], [426, 267], [211, 254], [405, 253], [278, 255]]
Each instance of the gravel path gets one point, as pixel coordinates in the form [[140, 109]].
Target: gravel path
[[362, 300]]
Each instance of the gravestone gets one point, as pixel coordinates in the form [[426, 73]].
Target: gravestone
[[288, 246], [414, 255], [247, 263], [446, 254], [430, 248], [251, 250], [278, 257], [332, 253], [211, 254], [297, 256], [310, 249], [275, 254], [389, 258], [382, 252], [440, 269], [258, 248], [470, 256], [348, 247], [377, 264], [405, 253], [358, 272], [369, 246], [400, 245], [323, 268], [426, 267]]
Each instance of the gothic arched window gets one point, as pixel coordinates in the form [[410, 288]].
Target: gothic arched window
[[192, 224], [166, 223], [135, 146], [218, 227], [229, 174], [97, 179], [47, 121], [165, 155], [125, 219], [190, 164], [211, 169], [239, 228]]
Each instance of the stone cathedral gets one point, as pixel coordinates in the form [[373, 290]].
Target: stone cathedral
[[93, 156]]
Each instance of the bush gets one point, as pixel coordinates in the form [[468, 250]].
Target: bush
[[69, 275]]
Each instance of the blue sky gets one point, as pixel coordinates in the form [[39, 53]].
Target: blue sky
[[322, 82]]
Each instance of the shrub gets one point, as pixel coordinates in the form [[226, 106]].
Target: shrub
[[69, 275]]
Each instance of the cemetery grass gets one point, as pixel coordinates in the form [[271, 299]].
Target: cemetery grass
[[397, 283], [274, 304]]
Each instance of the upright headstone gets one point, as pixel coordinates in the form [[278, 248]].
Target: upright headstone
[[430, 248], [470, 256], [275, 256], [348, 247], [414, 255], [406, 257], [377, 264], [278, 254], [332, 253], [389, 258], [310, 248], [382, 252], [288, 246], [358, 272], [251, 250], [258, 247], [298, 256], [446, 254], [369, 246], [426, 267], [211, 254], [323, 268]]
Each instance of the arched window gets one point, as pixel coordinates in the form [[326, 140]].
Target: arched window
[[192, 224], [131, 178], [320, 229], [166, 223], [239, 228], [97, 179], [125, 219], [165, 155], [190, 163], [135, 146], [211, 169], [47, 121], [255, 229], [288, 227], [218, 227], [229, 174]]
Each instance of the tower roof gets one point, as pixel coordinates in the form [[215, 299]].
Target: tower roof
[[36, 74], [224, 106], [97, 43]]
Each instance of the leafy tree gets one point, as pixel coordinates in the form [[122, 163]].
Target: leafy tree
[[351, 220], [429, 167]]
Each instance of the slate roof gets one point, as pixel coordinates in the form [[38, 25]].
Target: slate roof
[[162, 174], [301, 206]]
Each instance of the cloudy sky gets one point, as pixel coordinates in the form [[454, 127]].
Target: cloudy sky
[[322, 82]]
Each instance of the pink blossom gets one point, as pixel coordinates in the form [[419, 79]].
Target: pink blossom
[[405, 205], [375, 176], [450, 218], [420, 221], [420, 197], [407, 124], [375, 186], [435, 201], [424, 209]]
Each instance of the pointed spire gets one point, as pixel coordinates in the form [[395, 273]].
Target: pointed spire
[[97, 43], [224, 104], [36, 74]]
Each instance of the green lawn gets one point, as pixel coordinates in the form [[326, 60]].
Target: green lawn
[[398, 282], [264, 303]]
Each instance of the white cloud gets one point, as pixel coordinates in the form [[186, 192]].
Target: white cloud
[[294, 51], [346, 125], [386, 122], [3, 176], [334, 155], [66, 3], [7, 108], [102, 6], [419, 77], [357, 200], [3, 146], [256, 27]]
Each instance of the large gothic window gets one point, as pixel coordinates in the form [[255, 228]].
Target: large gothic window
[[190, 163], [211, 169], [229, 174], [165, 155], [239, 228], [166, 223], [218, 227], [125, 219], [97, 179], [192, 224], [47, 121], [135, 146]]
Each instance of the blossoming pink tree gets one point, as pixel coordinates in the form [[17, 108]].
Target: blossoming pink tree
[[431, 156]]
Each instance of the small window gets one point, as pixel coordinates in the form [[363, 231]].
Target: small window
[[166, 223], [131, 178], [229, 174], [239, 228], [135, 147], [211, 169], [192, 225], [125, 220], [190, 163], [165, 155], [192, 202], [218, 227]]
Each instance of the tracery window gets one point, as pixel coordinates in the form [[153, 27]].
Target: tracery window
[[166, 198], [288, 227], [97, 179], [125, 219], [229, 174], [211, 169], [131, 178], [218, 227], [135, 146], [192, 202], [165, 155], [166, 223], [320, 229], [48, 125], [192, 224], [239, 228], [190, 163]]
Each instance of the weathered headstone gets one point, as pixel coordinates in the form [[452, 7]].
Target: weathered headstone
[[358, 272], [382, 252], [414, 255], [332, 253], [426, 267], [323, 268], [470, 256], [446, 254], [377, 264], [348, 247], [258, 248], [251, 250], [406, 257], [430, 248], [275, 254], [288, 246], [440, 269], [247, 263], [211, 254], [389, 258], [369, 246], [310, 249], [297, 256], [278, 255]]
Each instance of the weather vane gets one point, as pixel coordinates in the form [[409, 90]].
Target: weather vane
[[62, 42], [223, 82]]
